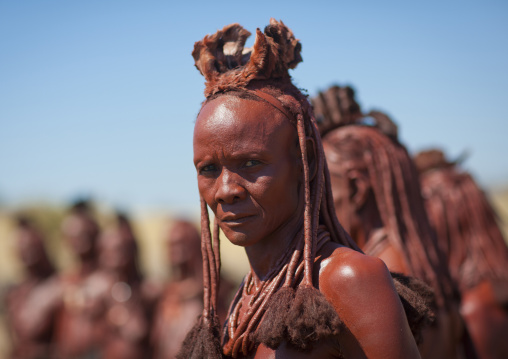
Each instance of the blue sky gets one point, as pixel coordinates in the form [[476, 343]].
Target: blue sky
[[99, 97]]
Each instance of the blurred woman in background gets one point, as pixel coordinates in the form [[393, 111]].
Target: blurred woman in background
[[468, 232], [377, 199], [30, 309]]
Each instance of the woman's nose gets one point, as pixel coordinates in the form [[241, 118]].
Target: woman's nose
[[229, 188]]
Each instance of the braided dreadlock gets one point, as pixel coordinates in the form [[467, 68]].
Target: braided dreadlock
[[464, 220], [395, 186], [298, 313]]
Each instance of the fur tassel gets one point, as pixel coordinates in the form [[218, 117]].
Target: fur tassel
[[311, 318], [273, 329], [202, 342], [418, 301]]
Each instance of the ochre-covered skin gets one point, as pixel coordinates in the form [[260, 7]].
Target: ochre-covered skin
[[250, 175]]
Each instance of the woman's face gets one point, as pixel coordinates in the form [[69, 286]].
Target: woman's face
[[183, 244], [249, 170], [76, 229], [344, 157], [340, 185], [29, 248], [115, 252]]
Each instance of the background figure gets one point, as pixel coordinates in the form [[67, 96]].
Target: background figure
[[182, 300], [30, 317], [469, 234], [77, 333], [120, 296], [377, 199]]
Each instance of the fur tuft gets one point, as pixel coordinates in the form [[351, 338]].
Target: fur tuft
[[418, 300], [273, 329], [202, 341], [311, 318]]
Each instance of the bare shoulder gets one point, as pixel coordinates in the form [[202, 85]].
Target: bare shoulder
[[344, 267], [361, 290]]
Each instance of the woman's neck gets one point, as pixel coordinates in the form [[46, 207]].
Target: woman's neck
[[265, 255]]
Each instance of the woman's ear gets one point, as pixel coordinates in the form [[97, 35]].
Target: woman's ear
[[359, 187], [311, 157]]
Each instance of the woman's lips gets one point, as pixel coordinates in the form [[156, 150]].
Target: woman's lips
[[236, 219]]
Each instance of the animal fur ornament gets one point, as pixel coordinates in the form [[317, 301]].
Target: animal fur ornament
[[226, 64], [286, 306]]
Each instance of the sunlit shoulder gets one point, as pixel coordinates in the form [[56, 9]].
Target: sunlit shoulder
[[345, 267], [361, 290]]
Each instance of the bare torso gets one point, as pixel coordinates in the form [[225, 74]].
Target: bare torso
[[360, 289], [31, 307]]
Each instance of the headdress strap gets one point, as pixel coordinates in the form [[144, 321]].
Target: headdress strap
[[274, 102]]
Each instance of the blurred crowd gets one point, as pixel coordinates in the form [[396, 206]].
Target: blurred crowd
[[103, 307]]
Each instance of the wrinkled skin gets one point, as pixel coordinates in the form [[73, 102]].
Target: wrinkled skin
[[249, 173], [357, 209]]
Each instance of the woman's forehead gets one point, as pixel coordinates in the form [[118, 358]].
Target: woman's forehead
[[231, 116]]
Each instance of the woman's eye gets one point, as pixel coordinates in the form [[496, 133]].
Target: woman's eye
[[251, 163], [207, 169]]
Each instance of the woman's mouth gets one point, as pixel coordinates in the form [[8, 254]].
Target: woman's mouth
[[232, 220]]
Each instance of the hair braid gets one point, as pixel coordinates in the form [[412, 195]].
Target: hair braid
[[308, 230]]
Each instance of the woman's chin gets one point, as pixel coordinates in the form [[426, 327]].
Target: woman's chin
[[239, 238]]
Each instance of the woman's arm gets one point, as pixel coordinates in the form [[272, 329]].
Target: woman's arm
[[361, 290]]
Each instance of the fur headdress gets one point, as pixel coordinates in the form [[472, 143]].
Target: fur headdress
[[226, 64], [337, 106]]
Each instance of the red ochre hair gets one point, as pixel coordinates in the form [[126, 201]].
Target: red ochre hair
[[287, 307], [464, 220]]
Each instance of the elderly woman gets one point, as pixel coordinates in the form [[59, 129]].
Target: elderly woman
[[261, 170]]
